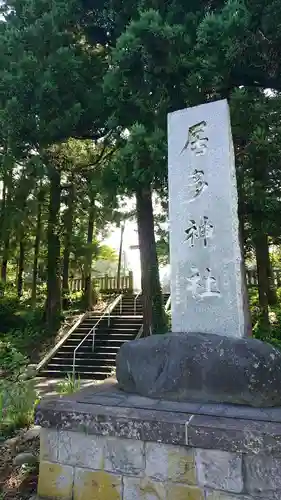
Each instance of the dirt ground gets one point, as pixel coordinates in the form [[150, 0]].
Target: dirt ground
[[18, 482]]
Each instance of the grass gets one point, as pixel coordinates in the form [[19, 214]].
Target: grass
[[17, 403], [70, 385]]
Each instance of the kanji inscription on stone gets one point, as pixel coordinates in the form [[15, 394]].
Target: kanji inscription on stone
[[196, 140], [202, 231], [197, 185], [207, 278]]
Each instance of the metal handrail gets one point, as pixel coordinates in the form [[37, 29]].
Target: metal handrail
[[168, 304], [108, 311], [135, 303], [53, 351], [113, 305], [140, 332]]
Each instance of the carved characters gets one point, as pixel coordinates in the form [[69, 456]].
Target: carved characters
[[205, 285], [202, 231], [197, 185], [202, 287], [196, 140]]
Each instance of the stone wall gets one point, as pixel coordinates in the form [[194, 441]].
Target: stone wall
[[95, 451], [82, 467]]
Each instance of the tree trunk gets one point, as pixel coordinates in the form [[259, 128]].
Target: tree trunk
[[67, 238], [261, 246], [36, 249], [21, 266], [260, 176], [2, 213], [120, 258], [271, 292], [153, 314], [4, 265], [5, 230], [6, 213], [53, 302], [89, 257]]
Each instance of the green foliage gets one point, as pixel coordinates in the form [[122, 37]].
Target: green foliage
[[18, 399], [273, 333], [239, 44], [105, 252], [17, 395], [27, 339], [69, 385], [22, 332], [11, 360], [126, 64], [8, 313], [45, 109]]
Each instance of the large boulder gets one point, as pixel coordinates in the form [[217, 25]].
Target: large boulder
[[203, 368]]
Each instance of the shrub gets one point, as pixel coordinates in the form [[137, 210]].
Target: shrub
[[11, 360], [17, 403], [8, 313], [69, 385], [26, 338]]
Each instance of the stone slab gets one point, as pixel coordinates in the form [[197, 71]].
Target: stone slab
[[48, 445], [170, 464], [220, 495], [96, 485], [220, 470], [80, 451], [164, 424], [95, 395], [55, 481], [143, 489], [262, 476], [234, 435], [207, 277], [124, 457]]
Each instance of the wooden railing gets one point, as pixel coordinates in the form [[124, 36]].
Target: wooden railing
[[108, 283], [252, 277], [104, 283]]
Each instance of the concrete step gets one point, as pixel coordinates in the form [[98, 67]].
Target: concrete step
[[94, 375], [85, 350], [108, 340], [84, 368], [89, 361], [111, 330]]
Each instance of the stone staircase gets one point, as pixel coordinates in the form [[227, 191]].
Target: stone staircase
[[99, 363]]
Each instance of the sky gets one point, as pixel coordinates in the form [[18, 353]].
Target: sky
[[132, 256], [131, 239]]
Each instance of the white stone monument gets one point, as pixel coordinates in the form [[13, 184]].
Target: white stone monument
[[207, 278]]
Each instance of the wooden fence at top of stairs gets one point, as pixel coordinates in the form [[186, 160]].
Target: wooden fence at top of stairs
[[252, 277], [104, 283], [109, 284]]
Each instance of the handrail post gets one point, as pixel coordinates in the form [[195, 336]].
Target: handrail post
[[121, 304], [73, 365], [93, 331], [168, 304], [135, 303], [131, 281], [93, 341]]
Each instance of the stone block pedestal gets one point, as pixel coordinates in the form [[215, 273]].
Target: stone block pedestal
[[103, 444]]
